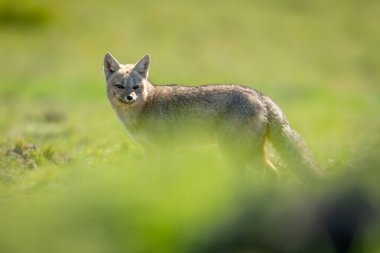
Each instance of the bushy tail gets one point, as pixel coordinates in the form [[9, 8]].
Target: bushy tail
[[288, 143]]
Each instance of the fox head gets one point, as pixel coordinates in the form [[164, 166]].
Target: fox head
[[127, 85]]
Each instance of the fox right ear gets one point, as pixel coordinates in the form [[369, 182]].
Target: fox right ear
[[142, 67], [110, 65]]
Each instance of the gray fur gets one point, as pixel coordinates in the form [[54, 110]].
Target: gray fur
[[241, 119]]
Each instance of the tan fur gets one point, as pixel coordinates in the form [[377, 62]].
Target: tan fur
[[243, 120]]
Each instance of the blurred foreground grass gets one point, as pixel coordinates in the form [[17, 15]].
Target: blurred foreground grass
[[70, 180]]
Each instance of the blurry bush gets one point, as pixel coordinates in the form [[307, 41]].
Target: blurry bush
[[340, 214], [16, 14]]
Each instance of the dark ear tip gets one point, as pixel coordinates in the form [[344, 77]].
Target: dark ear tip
[[108, 55]]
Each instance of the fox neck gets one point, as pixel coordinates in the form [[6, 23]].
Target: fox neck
[[148, 90]]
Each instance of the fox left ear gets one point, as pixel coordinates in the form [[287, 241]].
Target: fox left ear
[[110, 65], [142, 67]]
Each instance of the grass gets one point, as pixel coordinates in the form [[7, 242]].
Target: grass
[[71, 180]]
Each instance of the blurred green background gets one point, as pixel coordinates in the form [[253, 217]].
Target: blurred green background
[[70, 180]]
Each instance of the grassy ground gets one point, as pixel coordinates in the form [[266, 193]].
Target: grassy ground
[[70, 180]]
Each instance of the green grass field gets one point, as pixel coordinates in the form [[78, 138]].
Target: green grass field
[[72, 181]]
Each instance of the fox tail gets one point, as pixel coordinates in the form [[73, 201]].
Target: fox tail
[[288, 143]]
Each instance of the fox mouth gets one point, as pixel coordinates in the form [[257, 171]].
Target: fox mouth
[[128, 102]]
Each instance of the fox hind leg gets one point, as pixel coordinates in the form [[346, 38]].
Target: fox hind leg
[[267, 161], [247, 151]]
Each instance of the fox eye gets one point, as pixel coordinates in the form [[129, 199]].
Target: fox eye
[[135, 87], [119, 86]]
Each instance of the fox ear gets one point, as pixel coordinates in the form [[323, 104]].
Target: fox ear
[[110, 65], [142, 67]]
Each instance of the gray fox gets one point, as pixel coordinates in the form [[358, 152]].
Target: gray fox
[[242, 119]]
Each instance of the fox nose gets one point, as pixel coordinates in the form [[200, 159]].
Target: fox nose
[[129, 97]]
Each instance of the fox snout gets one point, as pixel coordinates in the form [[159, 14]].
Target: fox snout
[[128, 98]]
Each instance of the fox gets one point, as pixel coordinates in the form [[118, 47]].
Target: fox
[[243, 121]]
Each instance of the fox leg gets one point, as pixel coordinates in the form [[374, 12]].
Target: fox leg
[[267, 161], [244, 152]]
